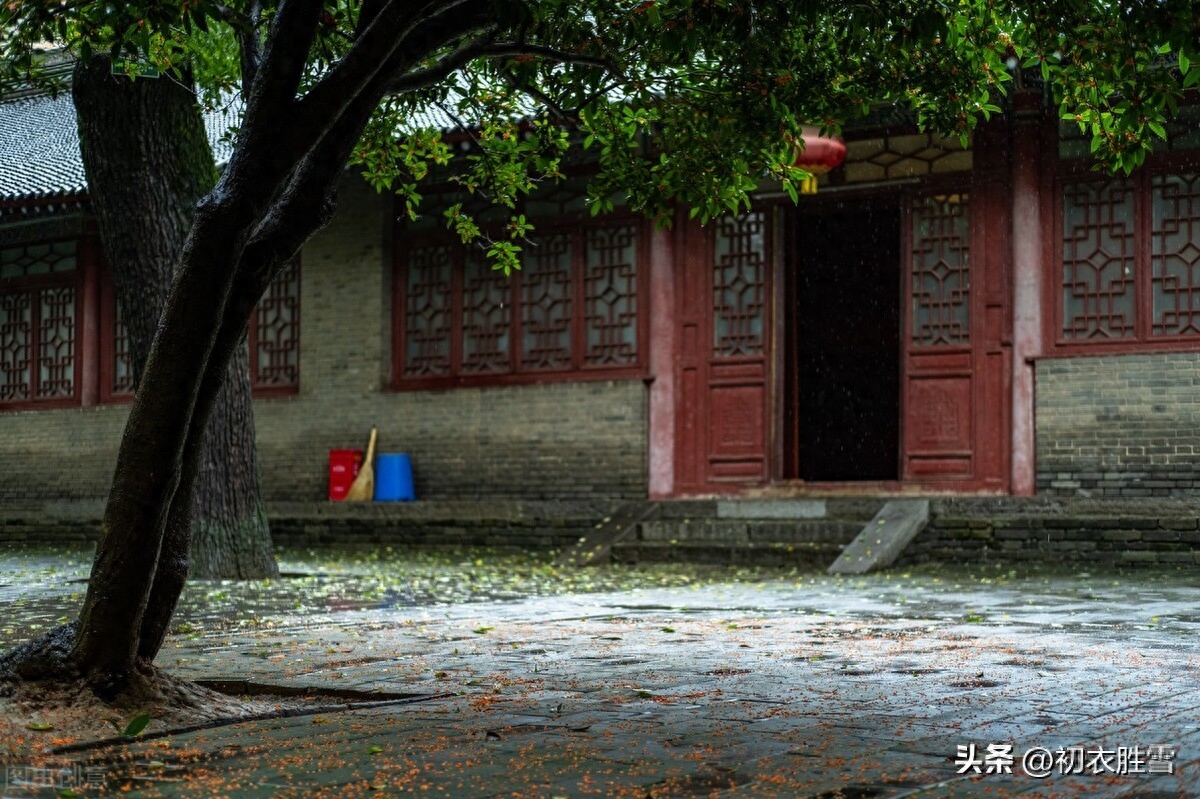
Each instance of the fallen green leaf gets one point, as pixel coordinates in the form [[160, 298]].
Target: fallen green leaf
[[135, 726]]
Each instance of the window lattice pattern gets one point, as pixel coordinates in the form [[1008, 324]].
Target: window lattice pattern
[[37, 321], [546, 290], [122, 381], [1098, 260], [486, 317], [16, 342], [739, 273], [56, 343], [427, 312], [610, 296], [941, 282], [275, 361], [37, 259], [1175, 257], [904, 156], [572, 306]]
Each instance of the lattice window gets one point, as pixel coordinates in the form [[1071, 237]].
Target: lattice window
[[273, 339], [904, 156], [547, 290], [275, 333], [16, 346], [941, 276], [610, 296], [1175, 256], [739, 274], [486, 317], [56, 343], [38, 322], [32, 260], [428, 312], [122, 373], [571, 308], [1098, 260]]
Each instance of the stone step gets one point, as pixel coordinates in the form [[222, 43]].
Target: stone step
[[816, 556], [862, 508], [743, 532]]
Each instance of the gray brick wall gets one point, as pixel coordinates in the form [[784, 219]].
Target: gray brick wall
[[1119, 425], [557, 440], [55, 456]]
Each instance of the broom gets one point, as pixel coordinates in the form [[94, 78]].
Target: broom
[[363, 487]]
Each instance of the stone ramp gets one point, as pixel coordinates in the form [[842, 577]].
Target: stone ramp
[[884, 538], [596, 546]]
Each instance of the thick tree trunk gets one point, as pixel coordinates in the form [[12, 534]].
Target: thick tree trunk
[[278, 189], [148, 163]]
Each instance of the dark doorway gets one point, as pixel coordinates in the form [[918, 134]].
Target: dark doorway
[[842, 344]]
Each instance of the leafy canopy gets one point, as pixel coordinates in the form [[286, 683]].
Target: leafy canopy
[[676, 102]]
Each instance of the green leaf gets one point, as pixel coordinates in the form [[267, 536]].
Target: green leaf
[[482, 630], [39, 726], [135, 726]]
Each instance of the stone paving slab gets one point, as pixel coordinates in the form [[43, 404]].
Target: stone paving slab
[[867, 686]]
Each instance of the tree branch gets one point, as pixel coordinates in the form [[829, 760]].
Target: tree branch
[[282, 65], [367, 14], [245, 28], [508, 49], [393, 29], [543, 98], [423, 78]]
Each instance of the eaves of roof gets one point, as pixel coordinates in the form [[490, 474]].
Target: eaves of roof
[[39, 147]]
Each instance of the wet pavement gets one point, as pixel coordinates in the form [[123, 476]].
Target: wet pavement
[[929, 682]]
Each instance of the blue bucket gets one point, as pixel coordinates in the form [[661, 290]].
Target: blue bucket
[[393, 477]]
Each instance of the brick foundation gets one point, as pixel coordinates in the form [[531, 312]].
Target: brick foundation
[[1119, 425]]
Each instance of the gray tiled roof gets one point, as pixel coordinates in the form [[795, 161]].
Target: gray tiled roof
[[39, 146]]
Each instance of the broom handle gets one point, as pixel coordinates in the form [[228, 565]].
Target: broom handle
[[371, 446]]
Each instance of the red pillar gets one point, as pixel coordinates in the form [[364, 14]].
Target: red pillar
[[662, 365], [1027, 250]]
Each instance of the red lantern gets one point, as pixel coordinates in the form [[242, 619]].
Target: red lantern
[[820, 154]]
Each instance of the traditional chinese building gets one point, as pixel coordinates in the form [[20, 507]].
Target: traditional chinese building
[[995, 318]]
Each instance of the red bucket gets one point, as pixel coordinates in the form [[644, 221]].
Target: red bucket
[[343, 468]]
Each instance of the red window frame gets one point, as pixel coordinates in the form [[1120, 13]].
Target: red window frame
[[1141, 337], [34, 286], [274, 331], [284, 290], [519, 364]]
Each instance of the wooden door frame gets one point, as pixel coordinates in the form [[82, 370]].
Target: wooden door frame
[[787, 220]]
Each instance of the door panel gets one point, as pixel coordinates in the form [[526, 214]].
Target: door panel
[[723, 286], [939, 441]]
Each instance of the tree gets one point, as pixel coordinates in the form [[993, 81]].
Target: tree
[[144, 190], [682, 102]]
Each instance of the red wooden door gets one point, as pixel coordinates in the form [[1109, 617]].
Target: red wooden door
[[722, 372], [938, 435], [955, 367]]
